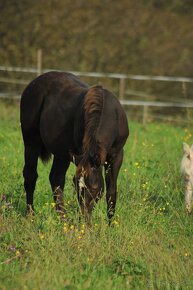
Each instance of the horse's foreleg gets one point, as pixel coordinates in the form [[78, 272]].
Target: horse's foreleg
[[57, 180], [111, 173], [188, 195]]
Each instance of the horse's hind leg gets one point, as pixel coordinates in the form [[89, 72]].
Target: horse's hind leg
[[57, 180], [30, 173]]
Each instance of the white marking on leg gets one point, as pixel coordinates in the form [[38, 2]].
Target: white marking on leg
[[81, 183]]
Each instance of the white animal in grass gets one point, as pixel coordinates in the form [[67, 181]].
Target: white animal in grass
[[187, 171]]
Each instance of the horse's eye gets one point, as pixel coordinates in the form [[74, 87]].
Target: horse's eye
[[95, 161]]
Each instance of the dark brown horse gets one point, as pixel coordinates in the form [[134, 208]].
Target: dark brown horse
[[62, 116]]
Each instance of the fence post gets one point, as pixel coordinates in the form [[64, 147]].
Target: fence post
[[184, 92], [39, 62], [184, 89], [122, 88], [145, 115]]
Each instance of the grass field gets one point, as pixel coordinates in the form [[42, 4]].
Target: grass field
[[149, 246]]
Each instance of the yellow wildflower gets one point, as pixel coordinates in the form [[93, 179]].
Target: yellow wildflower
[[65, 227], [82, 231], [115, 222], [42, 237]]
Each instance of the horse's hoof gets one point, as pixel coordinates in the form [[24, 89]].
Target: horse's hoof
[[62, 215], [189, 212], [30, 210]]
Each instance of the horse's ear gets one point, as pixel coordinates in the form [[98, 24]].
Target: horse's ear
[[95, 161], [186, 148]]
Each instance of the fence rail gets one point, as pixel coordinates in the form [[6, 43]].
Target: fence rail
[[156, 104], [100, 75], [145, 103]]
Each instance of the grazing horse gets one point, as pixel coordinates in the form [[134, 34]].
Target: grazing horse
[[187, 171], [61, 115]]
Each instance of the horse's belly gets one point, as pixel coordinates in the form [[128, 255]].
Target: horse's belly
[[57, 137]]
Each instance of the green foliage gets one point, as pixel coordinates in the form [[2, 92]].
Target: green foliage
[[143, 37], [149, 245]]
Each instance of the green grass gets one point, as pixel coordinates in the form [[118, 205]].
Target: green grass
[[149, 246]]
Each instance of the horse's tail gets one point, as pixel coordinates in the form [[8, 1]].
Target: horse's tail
[[31, 105], [44, 155]]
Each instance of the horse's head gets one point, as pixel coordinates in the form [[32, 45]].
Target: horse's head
[[88, 181], [187, 160]]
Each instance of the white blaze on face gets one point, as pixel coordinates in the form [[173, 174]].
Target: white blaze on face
[[81, 183]]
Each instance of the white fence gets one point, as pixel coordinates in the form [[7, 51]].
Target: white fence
[[122, 78]]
